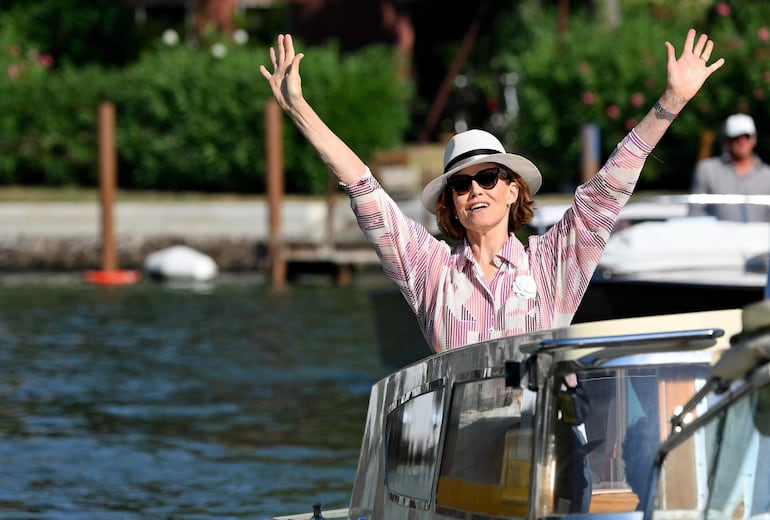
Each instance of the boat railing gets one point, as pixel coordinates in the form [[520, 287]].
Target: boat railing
[[652, 207], [709, 199], [629, 344]]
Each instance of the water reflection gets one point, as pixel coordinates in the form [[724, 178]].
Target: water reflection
[[155, 401]]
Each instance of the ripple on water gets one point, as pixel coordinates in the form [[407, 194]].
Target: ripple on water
[[158, 402]]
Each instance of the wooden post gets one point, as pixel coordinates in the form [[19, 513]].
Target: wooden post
[[589, 139], [107, 181], [562, 15], [437, 108], [275, 188], [109, 274], [707, 139]]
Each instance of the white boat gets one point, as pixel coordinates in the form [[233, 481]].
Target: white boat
[[540, 425], [659, 260]]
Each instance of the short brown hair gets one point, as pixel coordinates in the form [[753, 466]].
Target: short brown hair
[[521, 212]]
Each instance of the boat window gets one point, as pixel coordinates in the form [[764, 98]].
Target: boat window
[[412, 433], [730, 478], [604, 431], [485, 466]]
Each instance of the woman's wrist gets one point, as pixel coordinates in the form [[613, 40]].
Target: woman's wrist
[[661, 111], [671, 102]]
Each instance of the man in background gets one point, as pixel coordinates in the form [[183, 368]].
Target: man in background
[[739, 170]]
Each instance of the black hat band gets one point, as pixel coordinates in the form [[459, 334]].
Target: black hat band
[[471, 153]]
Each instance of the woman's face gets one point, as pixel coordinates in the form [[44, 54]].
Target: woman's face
[[483, 207]]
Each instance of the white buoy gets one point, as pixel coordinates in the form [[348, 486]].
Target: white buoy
[[180, 262]]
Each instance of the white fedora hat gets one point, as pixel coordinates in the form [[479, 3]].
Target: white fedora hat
[[474, 147]]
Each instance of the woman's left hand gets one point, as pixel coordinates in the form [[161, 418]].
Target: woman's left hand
[[687, 74]]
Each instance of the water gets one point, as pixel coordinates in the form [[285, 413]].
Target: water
[[180, 402]]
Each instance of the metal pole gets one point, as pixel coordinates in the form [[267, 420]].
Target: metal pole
[[275, 188], [107, 181]]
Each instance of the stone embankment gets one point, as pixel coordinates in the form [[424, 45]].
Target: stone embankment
[[55, 236]]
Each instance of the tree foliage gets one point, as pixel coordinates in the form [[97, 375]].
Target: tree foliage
[[610, 75], [192, 117]]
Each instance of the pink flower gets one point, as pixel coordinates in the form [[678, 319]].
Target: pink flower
[[588, 98], [722, 9], [13, 71], [46, 60], [612, 111], [631, 123], [637, 99], [14, 50], [763, 34]]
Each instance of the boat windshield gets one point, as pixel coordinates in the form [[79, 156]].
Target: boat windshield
[[722, 471], [583, 443], [602, 435], [486, 464], [602, 430]]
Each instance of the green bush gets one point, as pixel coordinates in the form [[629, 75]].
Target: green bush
[[190, 121], [187, 120]]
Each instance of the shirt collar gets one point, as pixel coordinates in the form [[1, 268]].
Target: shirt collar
[[510, 252]]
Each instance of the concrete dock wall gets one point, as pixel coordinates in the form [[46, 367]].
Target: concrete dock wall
[[67, 235]]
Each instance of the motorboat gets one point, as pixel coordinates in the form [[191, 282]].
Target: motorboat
[[660, 260], [558, 423]]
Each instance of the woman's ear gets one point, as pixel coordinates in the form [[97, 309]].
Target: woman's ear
[[513, 191]]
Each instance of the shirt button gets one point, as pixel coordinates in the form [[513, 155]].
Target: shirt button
[[491, 330]]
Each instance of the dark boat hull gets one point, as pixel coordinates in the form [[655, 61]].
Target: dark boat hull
[[612, 299]]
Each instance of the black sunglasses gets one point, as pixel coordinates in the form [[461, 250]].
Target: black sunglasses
[[486, 178]]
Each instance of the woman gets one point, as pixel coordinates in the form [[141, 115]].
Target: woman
[[491, 285]]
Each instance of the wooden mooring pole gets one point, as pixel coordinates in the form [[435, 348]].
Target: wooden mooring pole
[[109, 274], [275, 188], [107, 181], [591, 150]]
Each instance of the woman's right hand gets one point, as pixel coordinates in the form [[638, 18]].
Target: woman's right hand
[[284, 80], [287, 89]]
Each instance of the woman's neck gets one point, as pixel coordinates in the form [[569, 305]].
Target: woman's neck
[[486, 246]]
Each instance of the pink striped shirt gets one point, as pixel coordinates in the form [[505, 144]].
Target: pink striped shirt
[[538, 286]]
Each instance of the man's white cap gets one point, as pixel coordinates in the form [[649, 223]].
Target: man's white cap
[[739, 124]]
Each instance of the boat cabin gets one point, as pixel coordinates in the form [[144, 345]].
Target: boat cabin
[[559, 423]]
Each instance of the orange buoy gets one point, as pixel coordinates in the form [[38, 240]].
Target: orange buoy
[[112, 277]]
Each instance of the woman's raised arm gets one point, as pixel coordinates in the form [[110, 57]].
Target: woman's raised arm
[[286, 84]]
